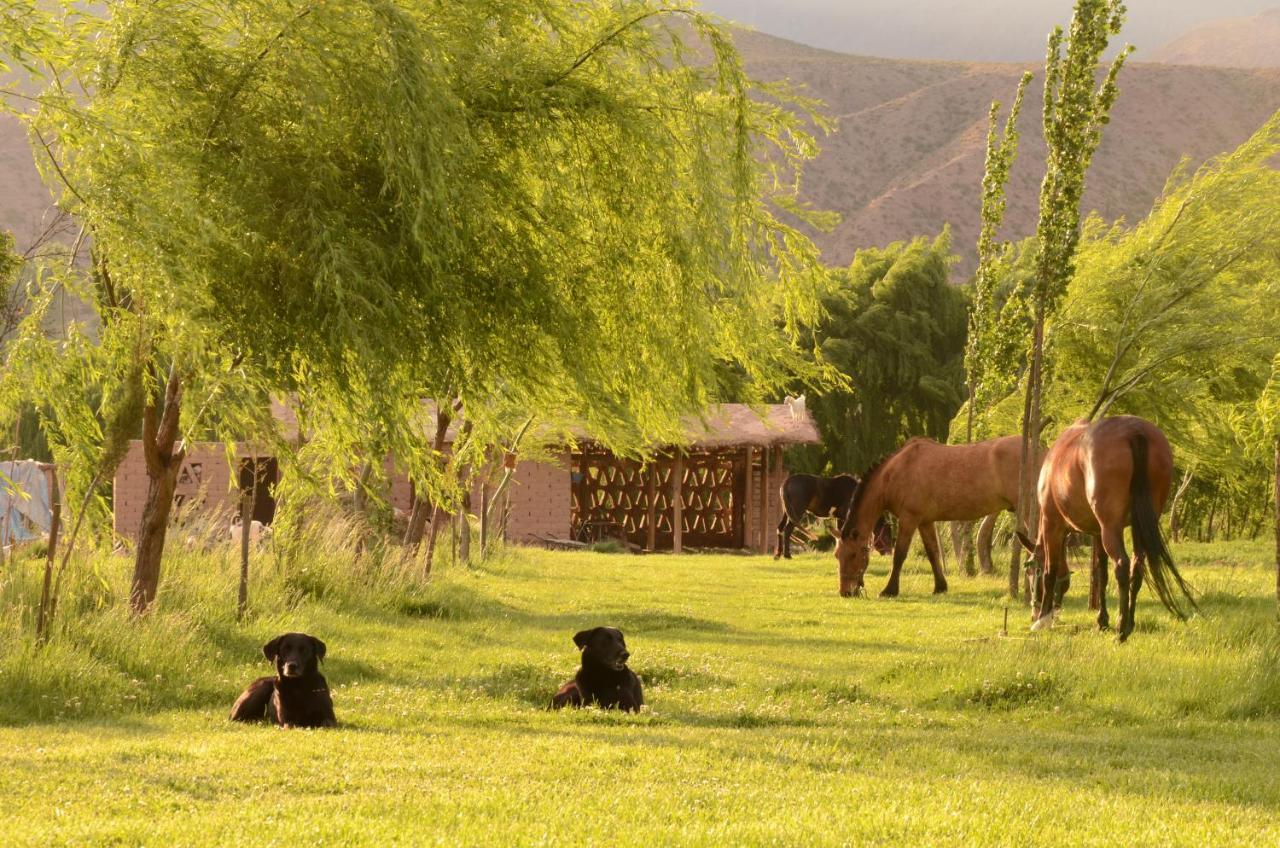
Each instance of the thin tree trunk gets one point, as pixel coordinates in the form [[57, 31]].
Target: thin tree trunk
[[1175, 525], [484, 516], [962, 546], [248, 498], [506, 515], [464, 530], [986, 532], [422, 507], [45, 614], [438, 514], [159, 437], [70, 546], [1031, 433]]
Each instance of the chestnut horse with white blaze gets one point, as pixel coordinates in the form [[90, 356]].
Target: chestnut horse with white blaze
[[923, 482], [1096, 479]]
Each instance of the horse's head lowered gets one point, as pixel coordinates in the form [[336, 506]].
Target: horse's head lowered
[[853, 554]]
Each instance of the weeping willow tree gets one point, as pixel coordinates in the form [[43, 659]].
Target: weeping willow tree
[[561, 207]]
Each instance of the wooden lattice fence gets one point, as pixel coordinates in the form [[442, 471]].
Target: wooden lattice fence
[[616, 497]]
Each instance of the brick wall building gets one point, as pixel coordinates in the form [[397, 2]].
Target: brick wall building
[[722, 484]]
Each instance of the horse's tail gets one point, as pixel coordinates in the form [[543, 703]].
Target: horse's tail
[[1147, 538]]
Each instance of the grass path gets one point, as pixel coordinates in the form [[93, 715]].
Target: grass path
[[780, 714]]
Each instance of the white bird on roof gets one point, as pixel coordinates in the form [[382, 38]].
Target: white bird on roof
[[796, 405]]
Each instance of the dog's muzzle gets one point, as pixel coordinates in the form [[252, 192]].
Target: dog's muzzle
[[292, 670]]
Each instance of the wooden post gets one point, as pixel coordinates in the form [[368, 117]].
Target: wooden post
[[45, 615], [748, 538], [651, 516], [764, 498], [484, 517], [677, 505]]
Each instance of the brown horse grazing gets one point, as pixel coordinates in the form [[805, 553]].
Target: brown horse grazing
[[822, 496], [923, 482], [1096, 479]]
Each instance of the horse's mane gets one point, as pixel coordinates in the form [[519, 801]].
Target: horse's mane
[[860, 492]]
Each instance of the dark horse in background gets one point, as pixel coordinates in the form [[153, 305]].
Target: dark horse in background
[[1096, 479], [823, 497]]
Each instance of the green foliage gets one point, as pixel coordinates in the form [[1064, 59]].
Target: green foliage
[[990, 346], [1174, 319], [895, 329], [1074, 115], [561, 210], [790, 703]]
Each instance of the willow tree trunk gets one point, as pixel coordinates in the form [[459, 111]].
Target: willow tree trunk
[[443, 419], [464, 530], [423, 507], [159, 437]]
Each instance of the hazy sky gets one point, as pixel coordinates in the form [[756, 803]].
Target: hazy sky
[[994, 30]]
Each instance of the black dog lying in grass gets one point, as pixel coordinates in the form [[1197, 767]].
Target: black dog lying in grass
[[298, 695], [604, 678]]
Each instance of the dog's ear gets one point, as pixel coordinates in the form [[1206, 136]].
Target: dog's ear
[[582, 637], [318, 646], [272, 649]]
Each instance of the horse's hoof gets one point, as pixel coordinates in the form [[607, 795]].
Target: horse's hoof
[[1044, 622], [1103, 624], [889, 592], [846, 593], [786, 556], [777, 556], [940, 589]]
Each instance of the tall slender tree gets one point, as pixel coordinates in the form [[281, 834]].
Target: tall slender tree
[[1075, 109]]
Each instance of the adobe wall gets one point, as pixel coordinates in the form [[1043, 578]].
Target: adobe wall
[[204, 482], [541, 501], [541, 496]]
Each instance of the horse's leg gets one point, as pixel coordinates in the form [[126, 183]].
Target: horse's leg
[[1099, 567], [901, 547], [784, 534], [929, 534], [1135, 583], [1113, 543], [1056, 577]]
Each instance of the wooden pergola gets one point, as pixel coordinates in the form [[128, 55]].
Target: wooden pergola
[[716, 491]]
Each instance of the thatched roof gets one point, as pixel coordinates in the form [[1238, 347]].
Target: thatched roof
[[736, 424], [725, 425]]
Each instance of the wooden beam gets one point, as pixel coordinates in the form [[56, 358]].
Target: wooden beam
[[764, 500], [677, 505], [748, 538], [651, 517]]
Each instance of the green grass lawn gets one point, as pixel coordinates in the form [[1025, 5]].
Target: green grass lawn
[[778, 713]]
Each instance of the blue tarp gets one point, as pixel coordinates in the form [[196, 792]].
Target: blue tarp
[[25, 512]]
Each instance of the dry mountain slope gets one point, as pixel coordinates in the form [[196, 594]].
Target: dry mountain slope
[[907, 156], [1252, 42]]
